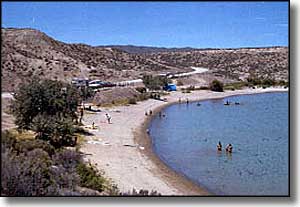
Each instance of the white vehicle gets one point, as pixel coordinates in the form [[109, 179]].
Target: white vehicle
[[78, 82], [96, 84]]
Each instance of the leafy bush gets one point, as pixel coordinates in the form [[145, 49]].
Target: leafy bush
[[268, 82], [141, 89], [90, 177], [143, 96], [24, 146], [132, 101], [216, 86], [204, 88], [254, 80], [27, 174], [155, 82], [43, 97], [28, 169], [58, 131]]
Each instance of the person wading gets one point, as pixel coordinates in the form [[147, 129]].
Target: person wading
[[219, 146]]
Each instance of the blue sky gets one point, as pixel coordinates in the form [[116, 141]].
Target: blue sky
[[168, 24]]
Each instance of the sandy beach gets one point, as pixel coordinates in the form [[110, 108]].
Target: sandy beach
[[123, 151]]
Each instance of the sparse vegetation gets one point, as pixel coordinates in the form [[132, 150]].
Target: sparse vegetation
[[132, 101], [237, 85], [179, 83], [90, 177], [155, 82]]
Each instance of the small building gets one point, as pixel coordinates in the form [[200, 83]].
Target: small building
[[170, 87]]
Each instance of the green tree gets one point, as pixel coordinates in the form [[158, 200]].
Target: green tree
[[216, 85], [44, 97], [155, 82], [58, 131]]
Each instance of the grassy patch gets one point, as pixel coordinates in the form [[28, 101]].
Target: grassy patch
[[23, 135], [236, 85]]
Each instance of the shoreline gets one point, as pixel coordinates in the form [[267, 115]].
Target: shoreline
[[149, 171]]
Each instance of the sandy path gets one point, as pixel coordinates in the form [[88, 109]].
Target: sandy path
[[129, 166]]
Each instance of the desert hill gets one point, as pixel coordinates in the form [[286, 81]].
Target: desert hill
[[28, 52]]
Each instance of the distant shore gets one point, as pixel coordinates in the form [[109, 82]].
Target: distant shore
[[123, 149]]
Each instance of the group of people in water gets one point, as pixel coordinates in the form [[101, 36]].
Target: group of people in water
[[228, 147], [150, 113], [227, 103]]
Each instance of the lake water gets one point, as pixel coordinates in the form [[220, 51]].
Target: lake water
[[186, 141]]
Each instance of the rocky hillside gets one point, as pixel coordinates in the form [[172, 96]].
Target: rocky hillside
[[148, 49], [236, 64], [28, 52]]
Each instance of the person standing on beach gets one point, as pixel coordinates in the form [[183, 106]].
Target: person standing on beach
[[108, 117], [81, 114]]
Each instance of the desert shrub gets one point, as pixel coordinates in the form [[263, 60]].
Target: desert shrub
[[27, 174], [268, 82], [24, 146], [282, 83], [204, 88], [64, 168], [155, 96], [155, 82], [67, 158], [132, 101], [191, 88], [8, 140], [90, 177], [232, 88], [143, 96], [216, 85], [28, 169], [141, 89], [179, 83]]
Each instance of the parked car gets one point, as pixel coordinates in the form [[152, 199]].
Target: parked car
[[170, 87], [78, 82], [96, 84], [108, 84]]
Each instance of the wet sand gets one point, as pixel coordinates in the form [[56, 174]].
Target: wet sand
[[123, 149]]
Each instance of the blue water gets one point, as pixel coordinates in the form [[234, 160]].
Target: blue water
[[186, 141]]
